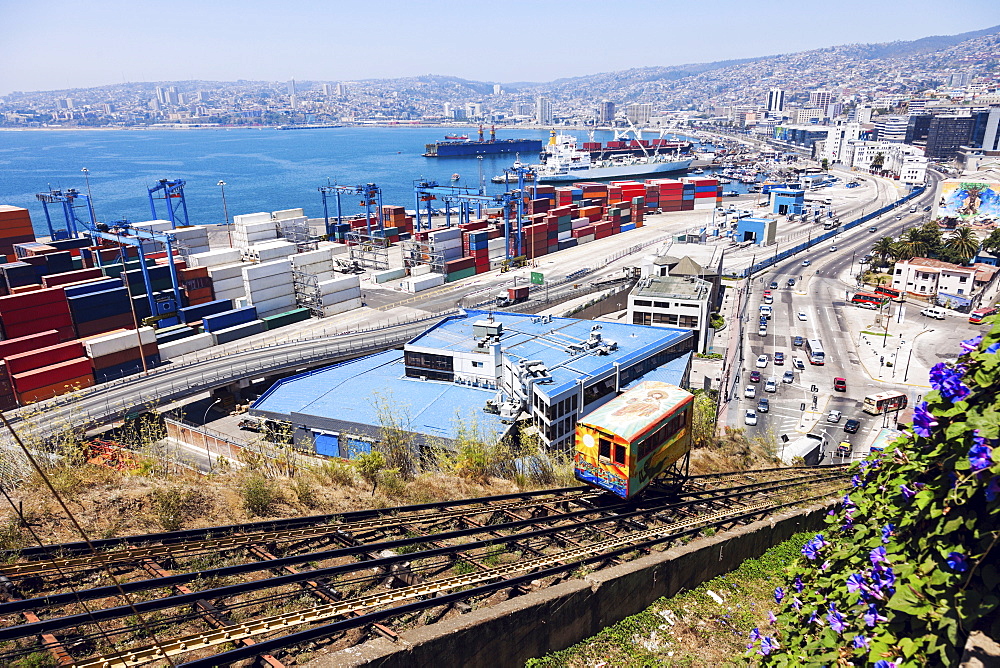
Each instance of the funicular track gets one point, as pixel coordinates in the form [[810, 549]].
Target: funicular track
[[219, 595]]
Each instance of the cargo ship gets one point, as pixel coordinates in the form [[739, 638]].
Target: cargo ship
[[462, 137], [493, 146], [566, 162], [314, 126]]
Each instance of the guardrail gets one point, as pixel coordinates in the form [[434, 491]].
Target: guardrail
[[785, 254]]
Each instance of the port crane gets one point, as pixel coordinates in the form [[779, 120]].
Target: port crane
[[68, 199], [371, 196], [173, 197]]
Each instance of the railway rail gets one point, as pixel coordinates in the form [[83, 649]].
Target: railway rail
[[224, 594]]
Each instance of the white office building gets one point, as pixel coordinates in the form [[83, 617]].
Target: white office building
[[543, 110]]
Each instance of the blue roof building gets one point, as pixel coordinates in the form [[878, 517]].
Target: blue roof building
[[482, 370]]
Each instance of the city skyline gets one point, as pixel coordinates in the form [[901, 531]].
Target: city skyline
[[110, 43]]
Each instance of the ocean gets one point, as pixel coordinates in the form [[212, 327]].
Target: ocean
[[264, 169]]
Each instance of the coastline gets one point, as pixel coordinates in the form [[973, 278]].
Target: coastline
[[472, 128]]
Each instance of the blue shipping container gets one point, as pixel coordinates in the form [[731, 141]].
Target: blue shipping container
[[227, 319], [192, 313], [96, 286]]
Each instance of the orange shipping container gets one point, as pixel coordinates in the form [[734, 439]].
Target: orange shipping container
[[56, 389]]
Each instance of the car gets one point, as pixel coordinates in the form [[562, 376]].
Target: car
[[771, 385], [755, 376], [779, 357], [833, 416], [791, 282], [936, 313], [852, 426], [788, 377], [750, 392], [899, 218], [927, 208], [833, 249], [840, 384], [873, 229], [799, 364], [864, 260], [763, 405], [806, 263], [766, 311], [801, 315], [866, 305], [763, 321], [798, 341], [762, 330], [768, 299], [761, 362], [774, 285], [767, 293], [844, 449], [750, 418]]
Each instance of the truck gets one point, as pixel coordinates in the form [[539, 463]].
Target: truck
[[830, 224], [513, 296]]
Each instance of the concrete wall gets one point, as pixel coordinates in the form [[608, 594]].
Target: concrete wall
[[528, 626]]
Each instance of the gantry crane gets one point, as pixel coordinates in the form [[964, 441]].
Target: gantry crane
[[173, 196], [68, 199]]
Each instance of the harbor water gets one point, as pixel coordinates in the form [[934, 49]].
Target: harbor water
[[264, 169]]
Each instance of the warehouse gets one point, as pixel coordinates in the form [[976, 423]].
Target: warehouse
[[481, 369]]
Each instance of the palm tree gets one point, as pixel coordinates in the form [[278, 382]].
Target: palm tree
[[901, 251], [964, 242], [913, 244], [877, 162], [883, 249]]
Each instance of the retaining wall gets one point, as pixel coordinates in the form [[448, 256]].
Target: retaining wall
[[511, 632]]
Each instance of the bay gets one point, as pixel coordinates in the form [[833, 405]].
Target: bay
[[264, 169]]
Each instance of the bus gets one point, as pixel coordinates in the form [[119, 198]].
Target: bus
[[980, 314], [891, 293], [814, 350], [883, 402], [869, 298]]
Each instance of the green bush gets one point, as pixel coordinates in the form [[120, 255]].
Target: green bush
[[338, 473], [903, 573], [259, 494], [170, 505]]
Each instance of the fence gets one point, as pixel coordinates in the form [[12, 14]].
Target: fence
[[214, 444], [764, 264]]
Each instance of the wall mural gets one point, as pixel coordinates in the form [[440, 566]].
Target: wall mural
[[970, 202]]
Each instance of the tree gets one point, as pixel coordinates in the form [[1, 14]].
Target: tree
[[826, 165], [992, 242], [704, 420], [370, 465], [877, 162], [913, 243], [965, 242], [883, 248], [902, 574]]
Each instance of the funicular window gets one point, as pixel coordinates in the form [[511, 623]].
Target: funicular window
[[620, 454], [604, 449]]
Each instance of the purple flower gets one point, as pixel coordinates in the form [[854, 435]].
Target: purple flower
[[907, 492], [993, 488], [810, 550], [887, 531], [886, 664], [825, 566], [856, 481], [836, 621], [923, 420], [855, 582], [797, 584], [872, 617], [948, 381], [767, 645], [797, 604], [772, 620], [860, 642], [992, 350], [848, 524], [971, 344], [755, 634], [779, 594], [814, 619], [883, 577], [957, 562], [877, 555], [980, 455]]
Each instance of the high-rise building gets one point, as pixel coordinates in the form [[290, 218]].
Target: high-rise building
[[292, 100], [991, 136], [543, 110], [341, 90], [524, 109], [639, 114], [890, 128], [497, 89], [863, 114], [474, 109], [775, 100], [447, 108], [606, 112], [917, 127], [959, 79], [327, 90], [820, 99], [947, 132]]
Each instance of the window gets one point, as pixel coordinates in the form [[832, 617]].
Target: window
[[640, 318], [642, 302], [661, 304], [923, 288], [604, 449], [477, 365], [688, 321], [961, 290], [899, 271], [963, 279], [620, 455]]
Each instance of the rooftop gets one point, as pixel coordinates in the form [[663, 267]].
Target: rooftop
[[677, 287], [931, 263]]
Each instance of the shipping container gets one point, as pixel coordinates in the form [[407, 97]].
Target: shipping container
[[48, 375]]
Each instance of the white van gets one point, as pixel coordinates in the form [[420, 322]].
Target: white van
[[936, 313]]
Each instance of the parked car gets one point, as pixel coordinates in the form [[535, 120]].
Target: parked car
[[771, 385], [750, 392], [762, 330], [761, 362], [791, 282], [750, 418], [801, 315], [936, 313], [833, 416], [763, 405], [799, 364], [866, 305], [767, 293], [840, 384], [788, 377], [755, 376], [779, 357], [798, 341], [766, 311], [852, 426]]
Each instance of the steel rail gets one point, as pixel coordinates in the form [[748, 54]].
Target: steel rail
[[44, 602]]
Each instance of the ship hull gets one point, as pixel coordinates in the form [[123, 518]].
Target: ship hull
[[617, 171], [473, 148]]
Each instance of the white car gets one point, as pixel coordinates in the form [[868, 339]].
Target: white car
[[762, 362], [935, 313], [750, 418], [765, 311], [805, 263], [771, 385], [801, 315], [750, 392], [866, 305], [834, 416], [762, 330], [833, 249]]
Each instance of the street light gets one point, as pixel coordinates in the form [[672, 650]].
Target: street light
[[90, 198], [204, 418], [225, 211]]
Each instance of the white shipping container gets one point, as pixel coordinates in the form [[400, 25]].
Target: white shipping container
[[446, 244], [389, 275], [116, 342], [312, 257], [271, 250], [341, 307], [264, 294], [442, 235], [288, 213], [251, 218], [339, 249], [416, 284], [238, 332], [228, 284], [577, 223], [420, 269], [338, 284], [585, 239], [342, 296], [266, 269], [169, 351], [496, 243], [154, 225], [231, 294], [226, 271], [451, 253], [275, 306], [563, 236]]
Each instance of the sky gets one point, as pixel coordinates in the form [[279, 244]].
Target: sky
[[54, 44]]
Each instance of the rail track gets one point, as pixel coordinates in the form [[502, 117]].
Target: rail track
[[215, 596]]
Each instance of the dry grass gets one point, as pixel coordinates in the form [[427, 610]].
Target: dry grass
[[735, 451]]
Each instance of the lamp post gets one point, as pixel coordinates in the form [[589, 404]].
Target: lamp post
[[90, 197], [225, 211]]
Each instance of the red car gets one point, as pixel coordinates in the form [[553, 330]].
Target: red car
[[755, 376], [840, 384]]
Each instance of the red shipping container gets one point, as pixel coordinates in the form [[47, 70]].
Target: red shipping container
[[105, 325], [48, 375], [24, 344], [123, 356], [36, 298], [38, 312], [47, 356], [71, 277], [56, 389], [58, 322]]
